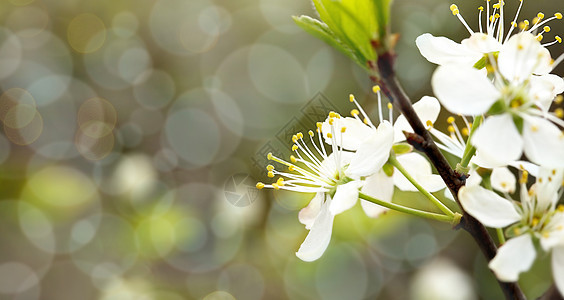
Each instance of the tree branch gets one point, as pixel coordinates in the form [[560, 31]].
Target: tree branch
[[423, 141], [551, 294]]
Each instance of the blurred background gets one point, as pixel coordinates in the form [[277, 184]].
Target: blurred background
[[133, 133]]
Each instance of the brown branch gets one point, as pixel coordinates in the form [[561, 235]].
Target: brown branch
[[423, 141], [551, 294]]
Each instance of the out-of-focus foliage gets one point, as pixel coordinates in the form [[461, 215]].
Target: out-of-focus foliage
[[132, 131]]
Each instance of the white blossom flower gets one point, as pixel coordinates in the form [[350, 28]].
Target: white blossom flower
[[507, 77], [381, 184], [535, 217], [335, 177]]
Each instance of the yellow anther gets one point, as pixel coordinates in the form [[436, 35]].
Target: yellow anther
[[523, 25], [275, 186], [351, 97], [558, 39], [497, 16], [517, 231], [539, 37], [559, 112], [260, 185], [524, 177], [558, 16], [329, 135], [365, 121], [451, 129], [454, 9], [354, 112], [545, 235], [513, 23], [481, 8], [311, 133], [496, 6], [343, 129], [331, 121], [294, 138], [540, 15], [450, 120], [291, 168], [300, 135], [390, 106], [293, 159], [560, 208], [491, 18], [546, 28], [269, 156], [294, 147], [536, 20], [376, 89], [535, 221], [429, 123], [280, 181], [270, 168], [559, 99], [504, 184], [270, 174], [534, 128], [553, 172], [465, 131]]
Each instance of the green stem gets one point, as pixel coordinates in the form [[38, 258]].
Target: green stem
[[470, 150], [500, 236], [411, 211], [394, 162]]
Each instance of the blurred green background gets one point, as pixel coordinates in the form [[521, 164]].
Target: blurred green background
[[134, 131]]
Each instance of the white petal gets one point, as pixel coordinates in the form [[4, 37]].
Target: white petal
[[522, 55], [533, 169], [308, 214], [355, 133], [481, 42], [318, 237], [381, 187], [427, 109], [474, 178], [420, 169], [552, 234], [497, 141], [374, 151], [558, 268], [544, 142], [440, 50], [448, 194], [464, 90], [488, 207], [503, 180], [345, 197], [548, 184], [543, 89], [515, 256]]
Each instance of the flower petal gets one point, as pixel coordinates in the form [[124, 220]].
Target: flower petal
[[420, 169], [440, 50], [482, 43], [488, 207], [544, 88], [513, 257], [308, 214], [544, 142], [319, 236], [552, 234], [522, 55], [558, 268], [374, 152], [345, 197], [355, 133], [427, 109], [463, 89], [503, 180], [497, 141], [381, 187]]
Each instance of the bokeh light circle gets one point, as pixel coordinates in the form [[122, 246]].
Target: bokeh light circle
[[154, 89], [10, 52], [125, 24], [86, 33]]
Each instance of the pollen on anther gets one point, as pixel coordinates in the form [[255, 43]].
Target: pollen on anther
[[559, 112], [524, 177], [558, 16], [270, 168], [294, 138], [280, 181], [390, 106], [293, 159], [354, 112], [291, 168], [481, 8], [546, 28], [558, 39], [351, 97], [429, 123], [365, 121], [539, 37], [558, 99], [454, 9], [294, 147], [560, 208], [465, 131], [260, 185], [534, 128], [269, 156], [451, 129], [300, 135], [275, 186], [540, 15], [311, 133], [343, 129], [270, 174], [450, 120], [376, 89], [329, 135], [319, 124]]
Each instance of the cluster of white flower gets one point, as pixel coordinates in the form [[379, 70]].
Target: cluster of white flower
[[506, 81], [501, 80]]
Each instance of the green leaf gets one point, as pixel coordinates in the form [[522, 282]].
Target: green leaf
[[324, 33]]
